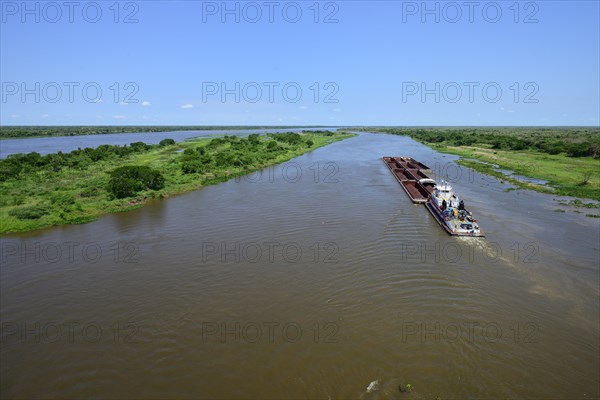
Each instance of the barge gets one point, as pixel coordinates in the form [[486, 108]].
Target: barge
[[411, 163], [412, 177], [443, 204]]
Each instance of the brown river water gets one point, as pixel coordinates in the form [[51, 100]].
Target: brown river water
[[317, 279]]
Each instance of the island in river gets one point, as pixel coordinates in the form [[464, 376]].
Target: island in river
[[77, 187]]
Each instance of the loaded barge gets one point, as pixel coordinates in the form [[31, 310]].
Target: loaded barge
[[412, 177], [447, 209]]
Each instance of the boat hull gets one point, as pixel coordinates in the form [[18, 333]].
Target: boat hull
[[439, 218]]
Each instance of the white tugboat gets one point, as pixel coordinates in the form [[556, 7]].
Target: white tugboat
[[449, 211]]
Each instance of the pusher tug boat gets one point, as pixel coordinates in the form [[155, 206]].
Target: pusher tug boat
[[449, 211]]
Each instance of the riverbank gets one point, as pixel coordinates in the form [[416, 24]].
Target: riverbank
[[39, 198], [565, 158], [565, 176]]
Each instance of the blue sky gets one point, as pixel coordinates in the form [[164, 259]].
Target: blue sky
[[300, 63]]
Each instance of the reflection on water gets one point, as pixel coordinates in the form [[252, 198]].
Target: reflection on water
[[308, 281]]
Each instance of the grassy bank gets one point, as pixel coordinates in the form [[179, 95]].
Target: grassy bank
[[567, 158], [19, 132], [58, 193], [566, 176]]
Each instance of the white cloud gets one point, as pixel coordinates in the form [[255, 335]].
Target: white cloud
[[511, 111], [98, 101], [502, 108], [44, 116], [337, 109], [146, 103], [303, 107], [15, 116], [119, 117], [187, 106], [123, 103]]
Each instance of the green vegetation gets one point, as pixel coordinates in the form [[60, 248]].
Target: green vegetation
[[129, 180], [65, 188], [567, 158], [166, 142], [578, 203], [573, 142], [12, 132], [407, 388]]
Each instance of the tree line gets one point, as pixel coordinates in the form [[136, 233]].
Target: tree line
[[572, 142]]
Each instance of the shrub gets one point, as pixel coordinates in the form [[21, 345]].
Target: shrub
[[579, 150], [89, 192], [166, 142], [290, 137], [127, 181], [9, 168], [17, 200], [225, 159], [497, 144], [309, 143], [193, 166], [195, 161], [465, 141], [517, 145], [30, 212], [216, 142], [62, 199], [139, 146]]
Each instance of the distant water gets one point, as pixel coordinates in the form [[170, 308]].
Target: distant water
[[318, 279], [65, 144]]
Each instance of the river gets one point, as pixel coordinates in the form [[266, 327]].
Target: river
[[54, 144], [318, 278]]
